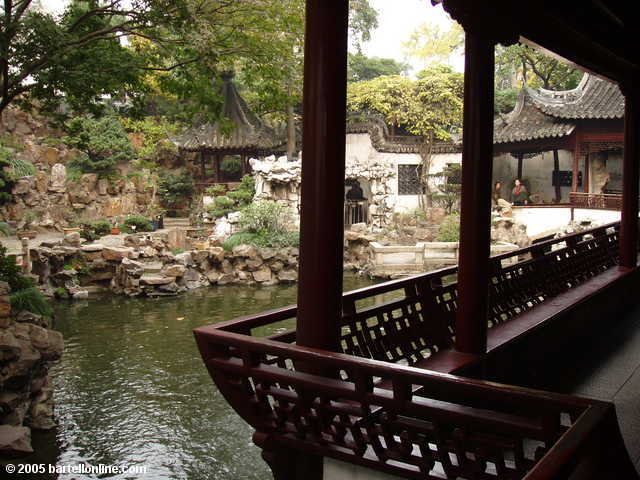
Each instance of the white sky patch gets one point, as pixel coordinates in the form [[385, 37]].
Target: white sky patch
[[397, 20]]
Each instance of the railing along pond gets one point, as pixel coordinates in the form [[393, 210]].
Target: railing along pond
[[375, 408], [605, 201]]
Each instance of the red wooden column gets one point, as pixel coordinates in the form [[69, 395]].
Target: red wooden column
[[475, 210], [630, 169], [576, 166], [323, 154]]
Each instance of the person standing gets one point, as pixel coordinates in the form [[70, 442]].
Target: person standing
[[497, 193], [519, 194]]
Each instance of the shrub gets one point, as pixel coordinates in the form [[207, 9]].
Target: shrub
[[231, 165], [6, 179], [262, 239], [21, 168], [61, 292], [234, 200], [216, 190], [32, 300], [244, 238], [175, 188], [141, 223], [103, 143], [5, 229], [265, 216], [449, 230], [155, 139], [92, 230], [11, 273]]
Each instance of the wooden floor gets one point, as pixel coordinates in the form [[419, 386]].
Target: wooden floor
[[607, 367]]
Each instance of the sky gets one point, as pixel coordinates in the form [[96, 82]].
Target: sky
[[397, 20]]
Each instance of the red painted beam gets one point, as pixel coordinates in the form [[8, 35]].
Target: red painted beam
[[323, 151], [475, 211]]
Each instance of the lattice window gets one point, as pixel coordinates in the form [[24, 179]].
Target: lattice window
[[409, 180]]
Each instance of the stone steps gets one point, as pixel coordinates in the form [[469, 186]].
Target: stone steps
[[176, 222]]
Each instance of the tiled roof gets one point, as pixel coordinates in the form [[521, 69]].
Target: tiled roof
[[527, 122], [593, 98], [382, 141], [240, 131]]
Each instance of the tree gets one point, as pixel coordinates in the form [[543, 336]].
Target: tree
[[360, 67], [529, 66], [430, 106], [103, 143], [81, 55], [448, 188], [433, 44]]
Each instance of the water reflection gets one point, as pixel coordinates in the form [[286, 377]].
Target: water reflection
[[131, 388]]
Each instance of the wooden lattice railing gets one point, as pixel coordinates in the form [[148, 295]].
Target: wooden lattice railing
[[605, 201], [369, 405]]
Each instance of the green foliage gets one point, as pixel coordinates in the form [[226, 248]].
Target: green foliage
[[361, 67], [234, 200], [21, 168], [175, 188], [533, 68], [74, 174], [6, 179], [505, 100], [177, 251], [216, 190], [262, 239], [448, 191], [449, 230], [75, 57], [31, 300], [94, 229], [102, 141], [432, 104], [5, 229], [11, 273], [12, 142], [434, 45], [231, 165], [155, 133], [141, 223], [265, 216], [61, 292]]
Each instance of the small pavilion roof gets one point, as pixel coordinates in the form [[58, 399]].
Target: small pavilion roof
[[527, 122], [593, 98], [239, 132], [546, 114]]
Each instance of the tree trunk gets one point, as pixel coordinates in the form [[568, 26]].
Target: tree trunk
[[425, 162], [291, 129]]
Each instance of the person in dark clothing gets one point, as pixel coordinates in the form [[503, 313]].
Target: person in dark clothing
[[355, 193]]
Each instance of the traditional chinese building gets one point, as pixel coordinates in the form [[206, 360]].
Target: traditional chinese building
[[566, 144], [239, 135]]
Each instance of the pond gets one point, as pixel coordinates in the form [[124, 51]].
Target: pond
[[131, 388]]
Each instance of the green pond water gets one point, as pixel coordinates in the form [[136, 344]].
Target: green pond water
[[131, 388]]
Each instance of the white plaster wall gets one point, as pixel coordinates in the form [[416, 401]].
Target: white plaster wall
[[360, 149], [537, 171], [542, 220]]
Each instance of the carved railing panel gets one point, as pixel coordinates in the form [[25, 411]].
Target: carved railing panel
[[422, 424], [364, 406]]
